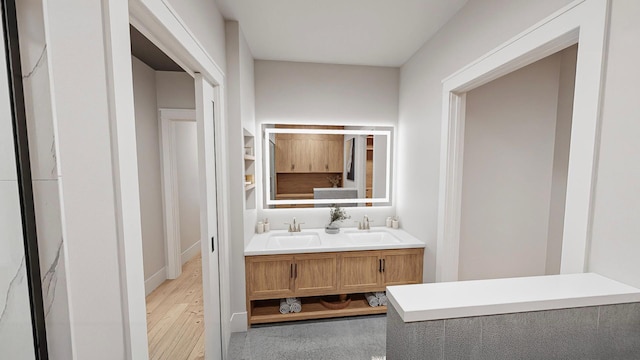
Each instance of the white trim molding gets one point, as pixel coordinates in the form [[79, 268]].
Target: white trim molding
[[191, 252], [239, 322], [169, 181], [584, 22], [154, 281]]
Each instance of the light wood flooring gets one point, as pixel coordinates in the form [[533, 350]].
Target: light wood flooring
[[175, 323]]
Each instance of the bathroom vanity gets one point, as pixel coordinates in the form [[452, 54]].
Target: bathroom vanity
[[312, 265]]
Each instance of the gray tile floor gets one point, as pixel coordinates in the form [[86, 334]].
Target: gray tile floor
[[356, 338]]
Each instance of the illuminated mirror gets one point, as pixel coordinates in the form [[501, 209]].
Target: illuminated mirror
[[318, 165]]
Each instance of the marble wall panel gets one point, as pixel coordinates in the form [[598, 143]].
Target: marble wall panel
[[16, 337], [45, 175]]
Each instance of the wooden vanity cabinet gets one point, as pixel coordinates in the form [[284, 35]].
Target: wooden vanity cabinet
[[269, 277], [359, 271], [312, 276], [363, 271], [400, 267], [281, 276]]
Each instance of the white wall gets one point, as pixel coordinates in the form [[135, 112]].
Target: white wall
[[615, 242], [175, 90], [206, 23], [475, 30], [308, 93], [241, 114], [149, 174], [186, 137], [380, 165], [325, 94], [566, 88], [154, 90], [508, 163], [88, 192]]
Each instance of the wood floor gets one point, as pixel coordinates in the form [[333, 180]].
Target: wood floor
[[175, 322]]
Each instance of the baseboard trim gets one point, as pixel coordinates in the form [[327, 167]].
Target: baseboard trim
[[154, 281], [239, 322], [192, 251]]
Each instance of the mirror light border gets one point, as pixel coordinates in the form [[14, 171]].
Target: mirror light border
[[267, 166]]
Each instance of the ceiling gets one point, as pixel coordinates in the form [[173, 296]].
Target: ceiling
[[358, 32], [148, 53]]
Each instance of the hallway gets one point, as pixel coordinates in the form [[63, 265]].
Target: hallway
[[175, 324]]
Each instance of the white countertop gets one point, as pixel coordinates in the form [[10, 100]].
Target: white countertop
[[447, 300], [331, 242]]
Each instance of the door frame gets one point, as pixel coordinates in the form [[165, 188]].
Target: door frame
[[169, 181], [159, 22], [584, 22], [206, 115]]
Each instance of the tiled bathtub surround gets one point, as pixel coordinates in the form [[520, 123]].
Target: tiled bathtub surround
[[595, 332]]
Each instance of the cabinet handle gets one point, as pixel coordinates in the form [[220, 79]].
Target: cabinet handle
[[379, 265], [293, 166], [383, 265], [291, 271], [309, 167], [326, 166]]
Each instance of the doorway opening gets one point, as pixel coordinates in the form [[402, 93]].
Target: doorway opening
[[515, 164], [170, 166], [584, 24]]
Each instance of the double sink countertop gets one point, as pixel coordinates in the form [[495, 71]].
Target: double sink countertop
[[316, 240]]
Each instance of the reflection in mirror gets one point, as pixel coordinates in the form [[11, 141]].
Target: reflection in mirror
[[319, 165]]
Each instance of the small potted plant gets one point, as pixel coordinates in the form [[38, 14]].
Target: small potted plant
[[336, 214], [334, 180]]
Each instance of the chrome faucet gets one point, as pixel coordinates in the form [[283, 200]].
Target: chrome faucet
[[293, 226], [365, 223]]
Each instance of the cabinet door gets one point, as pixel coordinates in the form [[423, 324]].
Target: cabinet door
[[283, 155], [318, 155], [360, 271], [402, 266], [300, 155], [315, 274], [269, 277], [334, 156]]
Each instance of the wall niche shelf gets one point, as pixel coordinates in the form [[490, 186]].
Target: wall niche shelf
[[249, 169]]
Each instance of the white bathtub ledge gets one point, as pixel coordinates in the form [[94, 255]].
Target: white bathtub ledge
[[448, 300]]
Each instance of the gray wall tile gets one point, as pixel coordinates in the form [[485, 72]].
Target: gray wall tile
[[555, 334], [619, 331], [463, 338], [422, 340]]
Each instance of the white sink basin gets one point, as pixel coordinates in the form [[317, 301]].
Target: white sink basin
[[293, 240], [369, 237]]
